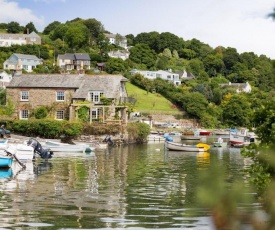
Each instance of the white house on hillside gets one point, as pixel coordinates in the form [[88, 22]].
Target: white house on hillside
[[123, 54], [165, 75], [113, 39], [240, 87], [22, 61], [5, 79], [19, 39]]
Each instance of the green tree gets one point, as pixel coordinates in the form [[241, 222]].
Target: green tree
[[162, 62], [237, 112], [51, 27], [195, 104], [169, 41], [13, 27], [167, 53], [151, 39], [30, 28], [77, 35], [59, 32], [115, 65], [94, 26], [142, 54]]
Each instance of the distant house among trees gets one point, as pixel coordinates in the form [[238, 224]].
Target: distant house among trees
[[185, 75], [123, 54], [117, 39], [7, 40], [76, 61], [165, 75], [240, 87], [21, 61]]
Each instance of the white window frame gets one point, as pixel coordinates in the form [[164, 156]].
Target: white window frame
[[24, 114], [24, 96], [95, 96], [95, 113], [59, 114], [60, 96]]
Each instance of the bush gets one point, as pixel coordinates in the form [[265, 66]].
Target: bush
[[138, 132], [40, 113], [46, 128]]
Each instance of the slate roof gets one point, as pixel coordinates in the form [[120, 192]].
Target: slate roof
[[26, 56], [18, 36], [109, 84], [45, 81], [76, 56]]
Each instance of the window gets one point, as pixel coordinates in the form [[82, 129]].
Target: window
[[60, 96], [24, 114], [59, 115], [94, 113], [24, 95], [95, 96]]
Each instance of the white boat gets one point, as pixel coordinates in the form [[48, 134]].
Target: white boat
[[239, 139], [190, 137], [63, 147], [184, 147], [21, 151]]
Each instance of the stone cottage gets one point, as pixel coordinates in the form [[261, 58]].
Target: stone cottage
[[65, 94]]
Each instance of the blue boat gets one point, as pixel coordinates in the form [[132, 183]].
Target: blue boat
[[5, 161], [5, 173]]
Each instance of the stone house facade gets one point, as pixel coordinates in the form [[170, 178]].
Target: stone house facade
[[65, 94]]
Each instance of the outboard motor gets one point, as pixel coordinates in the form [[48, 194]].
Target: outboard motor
[[43, 153], [108, 140]]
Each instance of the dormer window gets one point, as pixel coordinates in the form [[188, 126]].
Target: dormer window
[[95, 96]]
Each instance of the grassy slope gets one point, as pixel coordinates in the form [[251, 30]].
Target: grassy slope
[[149, 102]]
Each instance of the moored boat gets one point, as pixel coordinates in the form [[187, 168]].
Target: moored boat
[[190, 137], [204, 132], [63, 147], [187, 148]]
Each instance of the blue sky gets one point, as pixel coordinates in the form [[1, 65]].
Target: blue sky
[[241, 24]]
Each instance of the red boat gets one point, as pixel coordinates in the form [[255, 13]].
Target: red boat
[[204, 133]]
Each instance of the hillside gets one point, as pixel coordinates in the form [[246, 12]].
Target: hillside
[[150, 102]]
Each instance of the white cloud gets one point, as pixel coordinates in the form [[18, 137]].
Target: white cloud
[[11, 11]]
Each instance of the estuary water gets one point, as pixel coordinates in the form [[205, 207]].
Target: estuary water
[[135, 187]]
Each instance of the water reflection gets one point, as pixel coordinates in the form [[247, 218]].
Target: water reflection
[[140, 186]]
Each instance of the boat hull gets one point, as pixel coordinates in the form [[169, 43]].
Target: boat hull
[[183, 147], [217, 144], [205, 133], [190, 138], [21, 151], [62, 147], [5, 161]]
